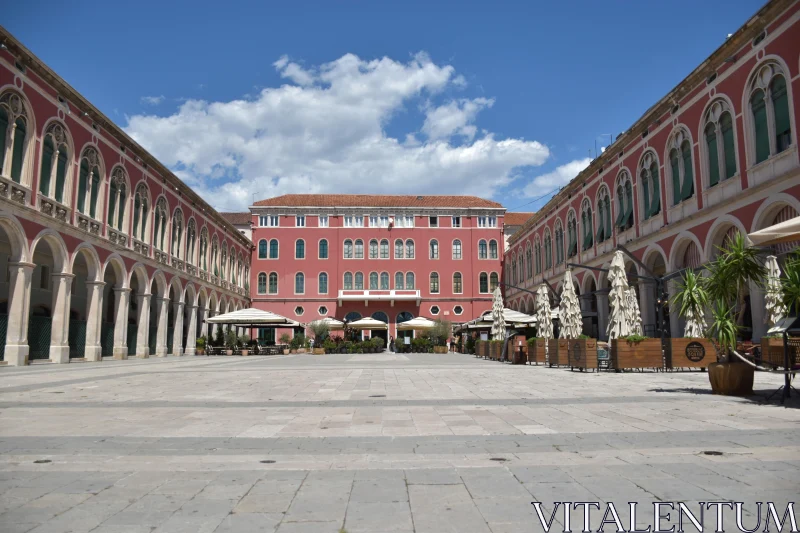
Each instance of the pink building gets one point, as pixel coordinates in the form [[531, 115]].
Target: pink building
[[387, 257]]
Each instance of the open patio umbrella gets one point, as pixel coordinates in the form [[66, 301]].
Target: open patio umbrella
[[416, 324], [618, 325], [634, 316], [773, 300], [569, 310], [252, 317], [787, 231], [368, 323], [498, 319], [331, 322], [544, 320]]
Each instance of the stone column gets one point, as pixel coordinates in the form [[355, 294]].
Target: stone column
[[19, 310], [647, 303], [143, 331], [602, 316], [59, 330], [121, 304], [177, 331], [161, 332], [191, 335], [94, 318]]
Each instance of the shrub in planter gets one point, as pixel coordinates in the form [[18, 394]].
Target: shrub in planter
[[536, 350], [470, 344], [200, 345], [231, 341]]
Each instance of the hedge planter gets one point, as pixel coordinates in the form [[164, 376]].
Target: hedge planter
[[559, 351], [536, 351], [482, 349], [583, 354], [731, 379], [440, 349], [690, 353], [643, 354], [772, 351], [495, 350], [319, 351]]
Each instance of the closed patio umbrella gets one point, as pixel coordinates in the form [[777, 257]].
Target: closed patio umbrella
[[544, 317], [773, 300], [498, 319], [570, 310], [618, 324]]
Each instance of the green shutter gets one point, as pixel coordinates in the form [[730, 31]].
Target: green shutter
[[646, 195], [655, 204], [19, 151], [95, 192], [726, 124], [122, 198], [601, 222], [713, 155], [676, 177], [112, 199], [628, 220], [61, 173], [688, 173], [136, 205], [47, 165], [759, 110], [84, 176], [780, 106], [609, 229], [620, 208], [3, 133]]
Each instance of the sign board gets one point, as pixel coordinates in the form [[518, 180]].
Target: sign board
[[406, 340], [484, 336], [782, 326]]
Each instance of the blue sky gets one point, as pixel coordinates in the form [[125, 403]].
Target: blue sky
[[502, 99]]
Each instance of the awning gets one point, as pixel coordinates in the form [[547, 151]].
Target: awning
[[779, 233], [419, 323], [253, 317], [368, 323], [332, 323]]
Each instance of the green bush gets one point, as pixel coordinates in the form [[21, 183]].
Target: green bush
[[470, 344], [219, 339], [285, 338], [329, 345], [298, 341], [377, 342], [532, 341], [231, 339], [634, 339]]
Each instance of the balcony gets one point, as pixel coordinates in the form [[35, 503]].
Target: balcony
[[117, 237], [52, 208], [379, 296]]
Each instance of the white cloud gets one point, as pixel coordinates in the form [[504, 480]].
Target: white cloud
[[326, 132], [152, 100], [555, 179]]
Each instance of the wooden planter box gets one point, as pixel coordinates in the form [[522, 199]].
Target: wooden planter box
[[536, 352], [583, 354], [440, 349], [319, 351], [482, 348], [772, 351], [644, 354], [513, 350], [559, 351], [690, 353], [495, 350]]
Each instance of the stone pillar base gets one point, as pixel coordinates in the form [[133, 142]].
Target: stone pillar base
[[143, 353], [120, 352], [177, 351], [190, 351], [59, 354], [93, 353], [16, 354], [161, 351]]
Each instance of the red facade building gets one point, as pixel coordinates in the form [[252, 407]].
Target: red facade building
[[387, 257]]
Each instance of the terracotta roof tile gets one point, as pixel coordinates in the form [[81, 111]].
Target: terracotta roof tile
[[237, 219], [376, 200], [516, 219]]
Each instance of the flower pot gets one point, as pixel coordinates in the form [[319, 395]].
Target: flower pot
[[731, 379], [495, 349], [536, 351], [772, 351], [229, 352], [301, 350], [200, 351], [286, 351], [294, 351], [582, 353], [643, 354], [690, 353], [245, 351]]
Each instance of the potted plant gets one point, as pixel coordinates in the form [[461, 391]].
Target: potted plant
[[244, 341], [438, 334], [536, 350], [285, 339], [691, 301], [582, 353], [470, 344], [219, 339], [495, 349], [377, 344], [200, 345], [230, 341], [321, 331]]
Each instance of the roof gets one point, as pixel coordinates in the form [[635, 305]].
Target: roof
[[376, 200], [238, 219], [511, 219]]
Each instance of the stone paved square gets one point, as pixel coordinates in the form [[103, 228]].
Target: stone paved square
[[418, 443]]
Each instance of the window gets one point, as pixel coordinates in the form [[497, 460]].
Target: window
[[262, 249], [483, 283], [651, 191], [458, 287], [13, 133], [458, 310], [604, 229], [55, 155], [772, 130], [384, 221], [299, 310], [177, 234], [273, 283], [347, 250], [359, 249], [300, 249], [203, 248], [487, 222], [348, 281], [373, 221], [398, 249], [409, 249], [457, 249], [434, 310], [493, 281], [433, 222], [373, 281], [384, 249], [548, 251], [586, 224], [273, 249], [398, 281], [89, 185], [434, 249], [323, 283], [493, 249], [537, 253], [384, 281], [359, 281], [405, 221], [434, 283], [559, 243], [483, 252], [300, 221], [529, 262], [322, 310], [514, 270], [373, 249], [410, 281], [624, 219], [720, 151], [354, 222], [572, 234], [322, 221], [262, 283], [456, 222], [117, 199], [270, 221], [680, 160], [191, 241], [323, 249], [299, 283]]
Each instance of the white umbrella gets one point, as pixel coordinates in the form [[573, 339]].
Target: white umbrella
[[544, 319], [787, 231], [498, 319], [695, 324], [633, 314], [773, 299], [569, 310], [252, 317], [331, 322], [618, 325], [419, 323], [368, 323]]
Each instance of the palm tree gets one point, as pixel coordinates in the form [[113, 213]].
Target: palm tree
[[691, 301], [791, 284]]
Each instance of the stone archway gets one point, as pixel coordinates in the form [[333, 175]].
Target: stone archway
[[139, 313], [157, 323], [51, 285], [86, 303], [175, 318], [14, 295], [116, 294]]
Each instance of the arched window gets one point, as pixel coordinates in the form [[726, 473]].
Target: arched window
[[262, 249], [347, 249], [373, 249], [300, 249], [14, 136], [214, 251], [89, 182], [604, 229], [204, 248], [624, 202], [410, 281], [409, 249], [586, 224], [273, 249], [458, 286], [398, 249], [493, 281], [273, 283], [191, 241], [141, 203], [772, 131], [537, 252], [572, 234], [384, 249], [323, 249], [323, 283], [359, 249], [348, 281], [483, 250], [384, 281], [529, 261], [55, 157], [398, 281], [434, 249], [117, 194], [352, 316], [373, 281], [720, 151], [514, 270], [548, 251], [680, 164], [177, 235], [359, 281], [299, 283], [223, 260], [493, 249], [483, 283], [262, 283], [457, 249], [559, 243], [434, 283], [651, 189]]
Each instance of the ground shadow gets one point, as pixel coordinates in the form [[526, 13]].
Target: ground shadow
[[760, 396]]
